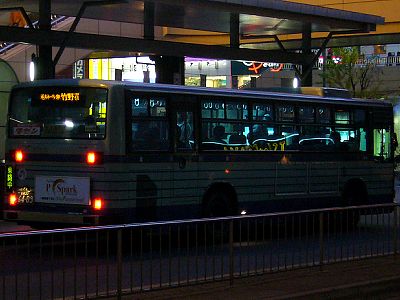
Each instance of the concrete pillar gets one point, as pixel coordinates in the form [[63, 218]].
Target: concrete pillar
[[170, 69], [148, 24], [306, 79], [234, 30], [45, 60], [203, 80]]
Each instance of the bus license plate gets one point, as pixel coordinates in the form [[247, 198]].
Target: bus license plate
[[62, 189], [25, 195]]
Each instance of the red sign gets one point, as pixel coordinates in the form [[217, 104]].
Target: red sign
[[257, 67]]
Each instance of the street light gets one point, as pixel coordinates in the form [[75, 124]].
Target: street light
[[32, 71], [33, 67], [295, 83]]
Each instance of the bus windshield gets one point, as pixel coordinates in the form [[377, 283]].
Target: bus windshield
[[58, 112]]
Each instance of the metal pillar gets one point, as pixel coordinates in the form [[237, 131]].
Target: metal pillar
[[148, 24], [170, 69], [234, 31], [45, 60], [306, 78], [324, 57]]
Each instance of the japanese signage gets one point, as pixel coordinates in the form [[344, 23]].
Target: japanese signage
[[27, 129], [10, 178], [60, 96], [66, 97], [79, 69]]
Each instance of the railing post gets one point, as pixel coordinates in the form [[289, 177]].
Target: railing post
[[231, 265], [119, 264], [395, 224], [321, 239]]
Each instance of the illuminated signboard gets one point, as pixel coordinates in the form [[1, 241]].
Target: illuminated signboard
[[59, 96], [10, 178], [257, 66], [66, 97], [254, 68], [79, 69]]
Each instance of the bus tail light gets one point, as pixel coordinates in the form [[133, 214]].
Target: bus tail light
[[12, 199], [93, 158], [98, 203], [19, 155]]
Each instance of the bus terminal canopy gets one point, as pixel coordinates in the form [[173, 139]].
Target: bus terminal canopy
[[229, 29]]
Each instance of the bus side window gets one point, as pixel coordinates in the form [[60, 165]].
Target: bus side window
[[184, 131], [149, 135], [363, 140], [237, 136], [149, 124], [382, 143], [214, 136]]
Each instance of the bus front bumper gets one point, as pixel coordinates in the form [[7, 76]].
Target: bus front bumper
[[44, 217]]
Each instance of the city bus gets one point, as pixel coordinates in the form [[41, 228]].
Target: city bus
[[89, 152]]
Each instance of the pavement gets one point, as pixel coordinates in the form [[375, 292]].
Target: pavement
[[7, 227], [370, 278]]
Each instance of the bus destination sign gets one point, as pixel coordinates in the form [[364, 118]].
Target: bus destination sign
[[63, 97]]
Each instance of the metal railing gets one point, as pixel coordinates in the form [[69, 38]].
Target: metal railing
[[113, 261], [386, 61], [2, 190]]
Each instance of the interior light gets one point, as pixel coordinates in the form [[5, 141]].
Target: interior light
[[69, 124], [295, 83], [12, 199], [32, 71], [98, 203], [19, 156]]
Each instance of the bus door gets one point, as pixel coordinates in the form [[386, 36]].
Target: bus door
[[185, 151], [382, 143], [382, 135]]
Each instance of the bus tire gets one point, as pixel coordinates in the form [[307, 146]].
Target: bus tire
[[354, 194], [219, 202]]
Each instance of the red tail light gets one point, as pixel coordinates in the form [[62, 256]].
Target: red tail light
[[19, 155], [13, 199], [97, 203], [91, 158]]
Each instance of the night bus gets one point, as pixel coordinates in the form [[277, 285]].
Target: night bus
[[89, 152]]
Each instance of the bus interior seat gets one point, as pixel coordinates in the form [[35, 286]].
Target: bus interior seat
[[237, 139], [213, 145]]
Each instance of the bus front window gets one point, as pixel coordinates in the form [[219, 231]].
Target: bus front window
[[58, 112]]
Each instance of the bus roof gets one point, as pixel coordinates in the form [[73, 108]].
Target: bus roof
[[273, 94], [309, 90]]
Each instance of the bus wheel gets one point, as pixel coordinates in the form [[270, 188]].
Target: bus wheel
[[218, 203], [354, 194]]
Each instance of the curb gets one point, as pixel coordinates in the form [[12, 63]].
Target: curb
[[349, 291]]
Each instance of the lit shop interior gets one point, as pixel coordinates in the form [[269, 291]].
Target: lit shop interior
[[198, 72]]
